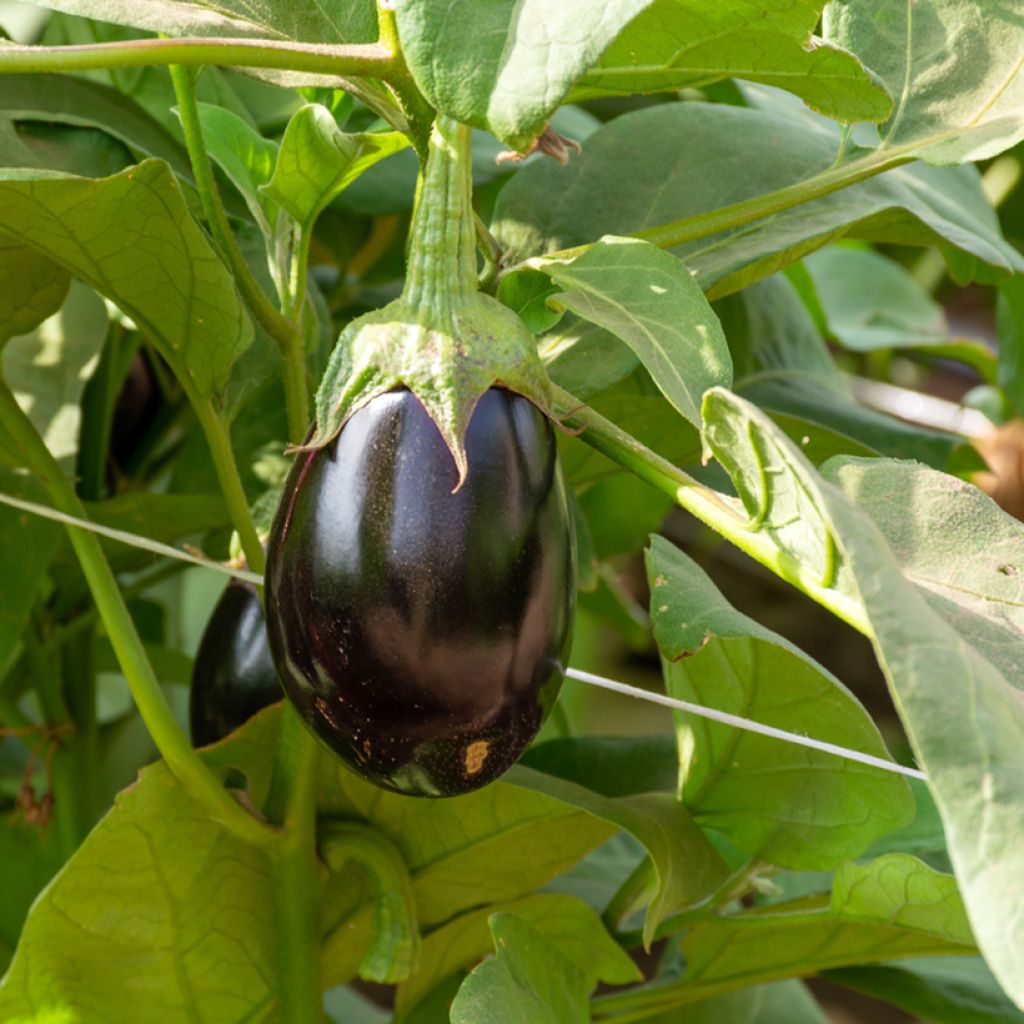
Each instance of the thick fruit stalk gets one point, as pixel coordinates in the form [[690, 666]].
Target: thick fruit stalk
[[442, 339]]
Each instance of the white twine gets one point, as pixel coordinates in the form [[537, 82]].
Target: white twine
[[589, 678]]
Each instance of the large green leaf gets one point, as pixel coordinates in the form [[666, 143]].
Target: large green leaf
[[636, 172], [783, 804], [891, 908], [133, 239], [506, 65], [954, 66], [568, 923], [954, 672], [647, 298], [32, 287], [677, 44]]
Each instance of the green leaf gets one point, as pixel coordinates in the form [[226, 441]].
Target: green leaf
[[893, 907], [1010, 321], [871, 303], [572, 927], [529, 982], [317, 161], [506, 65], [797, 808], [48, 369], [72, 100], [583, 358], [57, 147], [634, 175], [954, 66], [954, 675], [678, 44], [30, 859], [782, 1002], [132, 238], [32, 287], [244, 156], [944, 990], [647, 298], [687, 868]]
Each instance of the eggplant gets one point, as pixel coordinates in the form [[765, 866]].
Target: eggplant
[[234, 674], [419, 627]]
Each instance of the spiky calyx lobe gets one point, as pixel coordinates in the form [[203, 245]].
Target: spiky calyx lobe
[[442, 338]]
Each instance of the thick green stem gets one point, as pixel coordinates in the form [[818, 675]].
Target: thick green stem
[[703, 225], [219, 441], [724, 515], [198, 781], [286, 333], [368, 61], [297, 875], [442, 240], [78, 659]]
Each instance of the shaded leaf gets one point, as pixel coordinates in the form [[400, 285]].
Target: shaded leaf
[[32, 287]]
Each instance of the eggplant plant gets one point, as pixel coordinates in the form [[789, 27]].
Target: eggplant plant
[[527, 351]]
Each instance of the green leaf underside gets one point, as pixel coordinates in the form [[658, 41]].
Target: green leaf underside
[[954, 67], [647, 298], [796, 808], [676, 44], [636, 173], [506, 65], [572, 927], [132, 238], [957, 691]]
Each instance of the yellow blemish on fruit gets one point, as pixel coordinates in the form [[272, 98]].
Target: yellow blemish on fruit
[[476, 754]]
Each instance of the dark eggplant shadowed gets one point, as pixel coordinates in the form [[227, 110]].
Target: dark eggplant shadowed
[[422, 632], [234, 674]]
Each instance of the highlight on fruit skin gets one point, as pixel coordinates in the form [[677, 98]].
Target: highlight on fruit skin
[[422, 631], [234, 674]]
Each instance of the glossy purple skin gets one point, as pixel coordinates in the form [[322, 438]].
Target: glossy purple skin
[[423, 633], [234, 674]]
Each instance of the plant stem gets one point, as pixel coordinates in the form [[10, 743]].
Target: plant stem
[[219, 441], [78, 659], [197, 780], [417, 110], [711, 222], [367, 61], [283, 331], [297, 875], [722, 514]]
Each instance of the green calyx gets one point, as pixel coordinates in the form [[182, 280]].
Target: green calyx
[[442, 338]]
